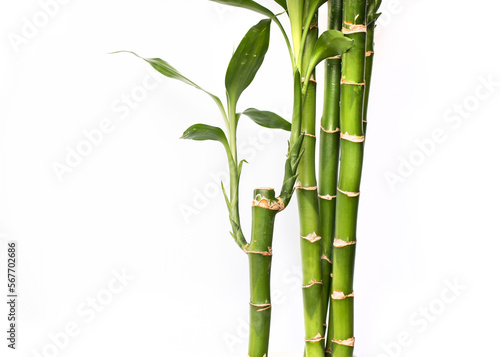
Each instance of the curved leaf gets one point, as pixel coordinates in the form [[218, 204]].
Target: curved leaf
[[268, 119], [247, 59], [168, 71], [372, 15], [331, 43], [247, 4], [203, 132], [282, 3]]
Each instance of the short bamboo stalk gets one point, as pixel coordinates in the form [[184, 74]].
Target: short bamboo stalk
[[259, 252]]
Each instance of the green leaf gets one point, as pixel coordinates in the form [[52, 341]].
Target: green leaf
[[282, 4], [331, 43], [203, 132], [314, 5], [240, 166], [268, 119], [167, 70], [247, 59], [373, 6], [296, 13], [247, 4]]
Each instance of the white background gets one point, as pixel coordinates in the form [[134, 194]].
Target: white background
[[122, 206]]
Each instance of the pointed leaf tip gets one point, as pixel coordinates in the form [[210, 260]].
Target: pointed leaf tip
[[268, 119], [247, 59]]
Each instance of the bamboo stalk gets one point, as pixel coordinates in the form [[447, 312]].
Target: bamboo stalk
[[329, 161], [307, 197], [372, 16], [259, 252], [352, 138]]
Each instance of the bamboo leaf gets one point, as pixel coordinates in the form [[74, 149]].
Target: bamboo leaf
[[201, 132], [331, 43], [314, 5], [240, 166], [167, 70], [247, 59], [282, 3], [268, 119], [247, 4], [296, 13], [372, 15]]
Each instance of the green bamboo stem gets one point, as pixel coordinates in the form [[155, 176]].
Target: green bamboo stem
[[307, 196], [259, 252], [352, 138], [370, 54], [329, 160]]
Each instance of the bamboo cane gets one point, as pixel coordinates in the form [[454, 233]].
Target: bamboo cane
[[307, 198], [329, 161], [352, 138], [372, 16]]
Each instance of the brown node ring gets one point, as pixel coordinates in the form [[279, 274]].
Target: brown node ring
[[264, 307], [349, 342], [265, 254], [349, 194], [312, 283], [339, 243], [315, 339]]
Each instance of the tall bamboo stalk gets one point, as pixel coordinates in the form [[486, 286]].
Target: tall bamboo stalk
[[372, 16], [352, 138], [329, 160], [307, 198]]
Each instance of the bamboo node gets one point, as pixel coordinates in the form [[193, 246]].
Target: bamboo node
[[312, 237], [339, 295], [352, 28], [324, 257], [352, 138], [329, 351], [339, 243], [327, 197], [349, 194], [266, 203], [349, 342], [265, 254], [264, 307], [315, 339], [369, 53], [312, 283], [310, 135], [330, 131], [310, 79], [344, 82], [300, 187], [334, 57]]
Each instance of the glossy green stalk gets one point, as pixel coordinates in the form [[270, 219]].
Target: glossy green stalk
[[372, 16], [307, 197], [352, 137], [329, 159], [259, 253]]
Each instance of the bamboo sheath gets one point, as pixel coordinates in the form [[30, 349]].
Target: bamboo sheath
[[329, 160], [352, 138]]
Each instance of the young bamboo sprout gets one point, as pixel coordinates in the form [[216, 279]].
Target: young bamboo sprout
[[241, 71]]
